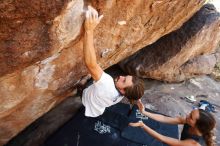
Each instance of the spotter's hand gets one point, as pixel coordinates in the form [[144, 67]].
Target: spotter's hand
[[137, 124]]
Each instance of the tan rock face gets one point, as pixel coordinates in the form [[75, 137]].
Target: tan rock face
[[24, 32], [171, 58], [41, 48]]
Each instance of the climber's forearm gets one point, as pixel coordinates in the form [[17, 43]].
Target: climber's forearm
[[90, 56]]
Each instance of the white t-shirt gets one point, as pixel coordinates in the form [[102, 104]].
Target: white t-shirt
[[99, 95]]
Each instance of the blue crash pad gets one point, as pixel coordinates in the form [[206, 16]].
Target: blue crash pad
[[109, 129], [138, 135]]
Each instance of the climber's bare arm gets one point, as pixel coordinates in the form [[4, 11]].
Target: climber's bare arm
[[168, 140], [92, 20], [160, 118]]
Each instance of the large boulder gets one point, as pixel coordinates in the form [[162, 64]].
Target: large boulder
[[181, 54], [41, 48]]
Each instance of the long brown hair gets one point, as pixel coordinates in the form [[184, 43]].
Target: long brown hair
[[205, 125], [136, 91]]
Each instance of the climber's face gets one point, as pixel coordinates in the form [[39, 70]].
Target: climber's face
[[122, 82]]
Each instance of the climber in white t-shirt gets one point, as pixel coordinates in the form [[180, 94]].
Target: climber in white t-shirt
[[105, 91]]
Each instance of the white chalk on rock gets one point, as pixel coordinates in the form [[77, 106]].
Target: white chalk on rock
[[121, 22]]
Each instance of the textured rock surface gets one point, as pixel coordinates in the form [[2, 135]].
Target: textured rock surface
[[171, 58], [41, 48], [216, 72], [45, 126]]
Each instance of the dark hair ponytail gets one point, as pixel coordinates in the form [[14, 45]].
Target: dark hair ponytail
[[205, 125], [208, 138]]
